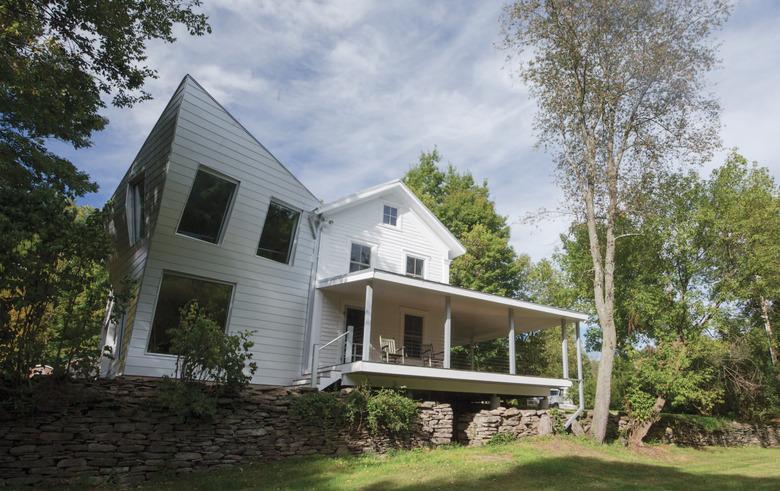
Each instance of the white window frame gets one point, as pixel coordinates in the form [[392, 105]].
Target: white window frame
[[228, 210], [363, 243], [157, 298], [381, 211], [417, 257], [132, 199], [293, 243]]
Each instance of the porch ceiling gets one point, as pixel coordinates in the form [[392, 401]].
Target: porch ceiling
[[475, 315]]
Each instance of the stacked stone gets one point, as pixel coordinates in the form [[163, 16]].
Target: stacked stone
[[478, 428], [119, 434]]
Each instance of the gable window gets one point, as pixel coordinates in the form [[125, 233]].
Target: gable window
[[359, 257], [390, 215], [207, 207], [413, 326], [278, 236], [136, 215], [415, 266], [176, 291]]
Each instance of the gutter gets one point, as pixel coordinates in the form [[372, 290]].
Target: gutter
[[316, 221]]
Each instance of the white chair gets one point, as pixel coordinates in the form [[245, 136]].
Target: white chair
[[390, 353]]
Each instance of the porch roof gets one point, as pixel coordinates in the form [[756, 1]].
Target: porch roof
[[475, 315]]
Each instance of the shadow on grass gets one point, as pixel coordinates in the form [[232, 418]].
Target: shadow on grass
[[574, 473]]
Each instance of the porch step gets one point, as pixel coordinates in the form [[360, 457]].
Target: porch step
[[326, 377]]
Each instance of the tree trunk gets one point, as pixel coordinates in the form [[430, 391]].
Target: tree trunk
[[768, 327], [638, 431]]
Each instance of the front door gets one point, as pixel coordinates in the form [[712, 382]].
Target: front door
[[355, 318]]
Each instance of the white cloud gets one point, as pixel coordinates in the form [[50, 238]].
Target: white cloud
[[347, 94]]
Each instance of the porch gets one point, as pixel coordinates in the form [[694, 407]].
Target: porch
[[384, 329]]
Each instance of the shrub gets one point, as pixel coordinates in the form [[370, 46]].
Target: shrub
[[502, 438], [319, 408], [558, 421], [205, 353], [391, 412]]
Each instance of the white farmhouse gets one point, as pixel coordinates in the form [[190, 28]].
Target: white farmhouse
[[357, 289]]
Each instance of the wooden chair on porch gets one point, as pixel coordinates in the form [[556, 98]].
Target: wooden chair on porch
[[431, 359], [390, 353]]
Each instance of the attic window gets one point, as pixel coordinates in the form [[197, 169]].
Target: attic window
[[390, 215], [206, 211]]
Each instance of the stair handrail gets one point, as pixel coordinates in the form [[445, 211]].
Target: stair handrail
[[315, 353]]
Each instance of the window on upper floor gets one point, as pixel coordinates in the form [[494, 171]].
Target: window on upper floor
[[208, 206], [415, 266], [176, 291], [390, 215], [136, 214], [278, 236], [359, 257]]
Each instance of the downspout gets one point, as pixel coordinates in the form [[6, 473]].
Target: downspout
[[315, 226]]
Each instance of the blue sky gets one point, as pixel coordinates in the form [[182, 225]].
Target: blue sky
[[347, 94]]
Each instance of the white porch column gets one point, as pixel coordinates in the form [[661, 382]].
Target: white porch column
[[512, 341], [581, 385], [564, 353], [447, 331], [367, 322]]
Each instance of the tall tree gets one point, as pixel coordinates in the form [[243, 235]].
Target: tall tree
[[619, 89], [59, 61]]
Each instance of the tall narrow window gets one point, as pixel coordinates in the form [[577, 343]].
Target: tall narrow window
[[413, 326], [176, 292], [359, 257], [136, 218], [415, 266], [207, 207], [278, 236], [390, 216]]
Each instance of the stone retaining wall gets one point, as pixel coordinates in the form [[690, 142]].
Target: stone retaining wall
[[114, 432]]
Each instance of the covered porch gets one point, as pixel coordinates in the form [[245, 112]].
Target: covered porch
[[386, 329]]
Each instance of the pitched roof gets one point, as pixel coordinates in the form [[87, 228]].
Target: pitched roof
[[456, 248]]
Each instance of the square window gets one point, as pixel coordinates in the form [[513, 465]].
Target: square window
[[415, 266], [359, 257], [176, 292], [390, 216], [278, 236], [413, 326], [207, 207], [136, 214]]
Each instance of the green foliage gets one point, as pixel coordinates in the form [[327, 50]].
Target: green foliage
[[205, 353], [57, 62], [501, 438], [558, 419], [390, 411], [53, 294], [385, 412]]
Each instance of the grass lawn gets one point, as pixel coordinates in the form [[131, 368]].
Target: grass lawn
[[538, 463]]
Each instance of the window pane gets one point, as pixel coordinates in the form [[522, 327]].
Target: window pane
[[414, 266], [175, 292], [359, 257], [413, 326], [206, 207], [278, 235], [390, 215], [137, 218]]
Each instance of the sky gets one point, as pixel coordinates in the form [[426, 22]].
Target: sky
[[347, 94]]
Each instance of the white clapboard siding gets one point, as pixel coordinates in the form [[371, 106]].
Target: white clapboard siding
[[129, 260], [269, 298]]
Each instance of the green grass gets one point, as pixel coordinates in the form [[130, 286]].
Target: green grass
[[538, 464], [708, 423]]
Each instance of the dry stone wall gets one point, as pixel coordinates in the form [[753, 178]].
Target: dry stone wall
[[113, 431]]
